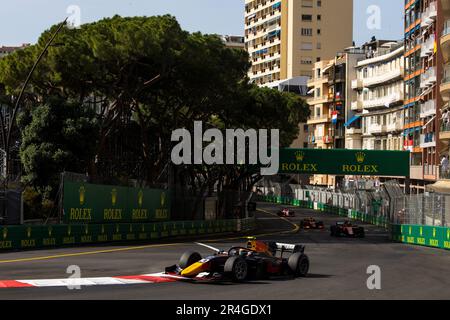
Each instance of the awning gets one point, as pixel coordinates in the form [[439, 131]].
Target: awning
[[352, 120], [310, 91]]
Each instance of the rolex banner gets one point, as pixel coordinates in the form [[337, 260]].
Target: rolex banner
[[90, 203]]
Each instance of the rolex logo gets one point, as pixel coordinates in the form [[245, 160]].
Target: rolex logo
[[5, 233], [82, 192], [140, 198], [299, 155], [360, 157], [114, 197], [163, 199]]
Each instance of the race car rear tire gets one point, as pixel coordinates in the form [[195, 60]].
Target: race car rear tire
[[188, 258], [236, 268], [299, 264]]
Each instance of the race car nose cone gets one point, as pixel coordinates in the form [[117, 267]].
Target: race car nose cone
[[194, 269]]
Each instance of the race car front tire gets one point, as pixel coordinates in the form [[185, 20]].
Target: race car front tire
[[236, 268], [299, 264], [188, 258]]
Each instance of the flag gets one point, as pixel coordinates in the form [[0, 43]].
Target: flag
[[435, 42], [334, 116]]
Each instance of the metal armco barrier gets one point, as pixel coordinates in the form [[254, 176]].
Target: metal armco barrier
[[31, 237]]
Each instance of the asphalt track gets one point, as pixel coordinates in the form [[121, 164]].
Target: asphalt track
[[338, 268]]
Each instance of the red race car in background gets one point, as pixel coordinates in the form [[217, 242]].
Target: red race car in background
[[347, 229], [286, 213], [311, 223]]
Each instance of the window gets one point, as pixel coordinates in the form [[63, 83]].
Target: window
[[306, 60], [307, 32], [319, 17], [306, 17], [319, 32], [307, 3], [319, 45], [319, 3], [307, 46], [318, 59]]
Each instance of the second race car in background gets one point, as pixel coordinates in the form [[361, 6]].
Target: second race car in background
[[311, 223], [286, 213], [347, 229]]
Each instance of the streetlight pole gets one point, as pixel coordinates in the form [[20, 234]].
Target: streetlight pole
[[19, 98], [14, 114]]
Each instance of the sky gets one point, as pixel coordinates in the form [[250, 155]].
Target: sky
[[22, 21]]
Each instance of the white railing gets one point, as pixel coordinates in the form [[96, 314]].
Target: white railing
[[376, 128], [383, 101], [428, 108], [428, 47], [357, 84], [383, 77], [429, 15], [427, 140], [428, 78], [395, 126], [357, 105]]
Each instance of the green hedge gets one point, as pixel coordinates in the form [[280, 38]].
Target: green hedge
[[37, 236]]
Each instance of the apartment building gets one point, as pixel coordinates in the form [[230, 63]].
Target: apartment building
[[424, 69], [5, 50], [234, 42], [286, 37], [444, 88], [379, 100], [330, 105]]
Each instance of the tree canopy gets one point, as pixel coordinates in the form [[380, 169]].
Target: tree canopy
[[106, 97]]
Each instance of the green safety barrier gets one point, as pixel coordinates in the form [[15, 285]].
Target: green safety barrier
[[430, 236], [37, 236]]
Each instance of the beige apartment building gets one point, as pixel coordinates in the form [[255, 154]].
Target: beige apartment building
[[286, 37], [379, 100]]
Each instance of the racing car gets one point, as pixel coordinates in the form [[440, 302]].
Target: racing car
[[286, 213], [311, 223], [257, 260], [347, 229]]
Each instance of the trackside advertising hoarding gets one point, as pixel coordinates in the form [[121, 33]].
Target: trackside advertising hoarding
[[344, 162], [90, 203]]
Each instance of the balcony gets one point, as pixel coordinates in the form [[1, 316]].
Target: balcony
[[317, 80], [383, 101], [318, 100], [429, 15], [416, 172], [383, 77], [427, 140], [428, 78], [395, 126], [357, 105], [427, 47], [444, 133], [321, 119], [353, 131], [377, 129], [428, 109], [357, 84], [445, 89], [445, 42], [430, 172]]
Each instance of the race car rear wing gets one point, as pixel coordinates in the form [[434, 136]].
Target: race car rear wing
[[292, 248]]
